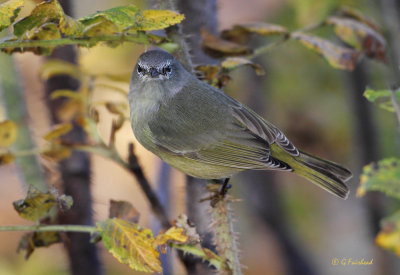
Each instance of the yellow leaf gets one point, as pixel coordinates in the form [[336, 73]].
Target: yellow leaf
[[66, 93], [173, 234], [118, 108], [36, 206], [6, 158], [8, 133], [159, 19], [70, 109], [8, 12], [232, 63], [240, 33], [389, 236], [37, 239], [55, 67], [59, 130], [130, 244], [56, 152], [360, 36], [70, 27], [337, 56]]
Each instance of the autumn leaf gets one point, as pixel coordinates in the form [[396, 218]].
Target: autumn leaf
[[58, 130], [389, 236], [70, 27], [360, 36], [8, 133], [8, 12], [240, 32], [338, 57], [233, 63], [355, 14], [56, 152], [123, 210], [158, 19], [173, 234], [6, 158], [130, 244], [382, 176], [45, 12], [36, 206], [55, 67], [382, 98], [32, 240], [218, 47]]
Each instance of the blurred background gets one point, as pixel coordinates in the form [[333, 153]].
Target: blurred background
[[286, 225]]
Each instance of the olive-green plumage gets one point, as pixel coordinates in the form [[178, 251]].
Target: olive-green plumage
[[207, 134]]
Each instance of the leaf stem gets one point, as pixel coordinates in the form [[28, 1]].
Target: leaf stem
[[396, 104], [47, 228]]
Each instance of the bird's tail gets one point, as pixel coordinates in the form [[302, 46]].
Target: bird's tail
[[326, 174]]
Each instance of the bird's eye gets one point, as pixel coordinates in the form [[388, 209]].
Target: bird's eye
[[140, 69], [167, 69]]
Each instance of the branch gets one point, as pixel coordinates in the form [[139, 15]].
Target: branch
[[137, 171], [142, 38], [50, 228]]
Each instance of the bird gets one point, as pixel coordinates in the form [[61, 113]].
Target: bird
[[206, 134]]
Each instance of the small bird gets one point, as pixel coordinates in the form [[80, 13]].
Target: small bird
[[207, 134]]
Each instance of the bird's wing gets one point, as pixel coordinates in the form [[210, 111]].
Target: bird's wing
[[208, 126]]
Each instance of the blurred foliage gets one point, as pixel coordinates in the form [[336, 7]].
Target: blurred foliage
[[382, 176], [382, 98]]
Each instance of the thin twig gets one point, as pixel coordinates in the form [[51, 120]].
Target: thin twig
[[137, 171], [82, 41], [50, 228]]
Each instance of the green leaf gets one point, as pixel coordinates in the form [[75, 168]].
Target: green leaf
[[337, 56], [117, 18], [382, 176], [389, 236], [382, 98], [9, 11], [360, 36], [47, 11], [130, 244]]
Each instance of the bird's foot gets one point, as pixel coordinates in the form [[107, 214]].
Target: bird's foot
[[217, 191]]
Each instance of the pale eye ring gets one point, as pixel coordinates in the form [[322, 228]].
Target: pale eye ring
[[140, 69]]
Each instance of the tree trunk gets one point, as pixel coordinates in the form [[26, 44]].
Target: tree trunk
[[75, 174]]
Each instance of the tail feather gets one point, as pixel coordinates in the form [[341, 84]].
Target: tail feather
[[326, 174]]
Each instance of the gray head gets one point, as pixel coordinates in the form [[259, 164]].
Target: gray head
[[157, 65]]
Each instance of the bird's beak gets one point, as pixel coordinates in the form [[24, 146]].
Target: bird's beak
[[154, 72]]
